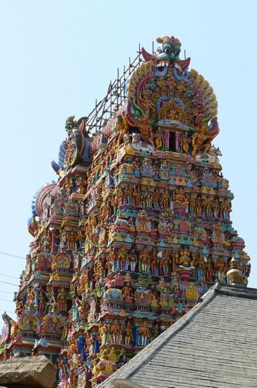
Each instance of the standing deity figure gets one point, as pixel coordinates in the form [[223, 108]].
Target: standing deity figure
[[200, 268], [192, 204], [112, 259], [122, 259], [30, 300], [216, 207], [128, 338], [154, 266], [143, 331], [148, 199], [50, 297], [129, 194], [90, 344], [185, 142], [80, 238], [207, 203], [62, 299], [225, 209], [165, 264], [158, 139], [144, 260], [209, 271], [63, 241], [71, 237], [41, 302], [115, 332], [164, 201], [137, 196], [103, 333], [46, 241], [221, 268], [156, 199], [198, 205], [132, 260], [119, 198]]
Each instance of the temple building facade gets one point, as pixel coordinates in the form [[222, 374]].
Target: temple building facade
[[136, 227]]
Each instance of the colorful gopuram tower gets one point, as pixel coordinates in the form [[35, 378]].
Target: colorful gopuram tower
[[136, 228]]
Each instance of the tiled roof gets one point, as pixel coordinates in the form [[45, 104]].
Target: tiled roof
[[214, 345]]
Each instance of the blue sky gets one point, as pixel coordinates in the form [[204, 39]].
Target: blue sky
[[58, 56]]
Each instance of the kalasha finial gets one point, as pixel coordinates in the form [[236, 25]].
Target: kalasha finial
[[234, 274]]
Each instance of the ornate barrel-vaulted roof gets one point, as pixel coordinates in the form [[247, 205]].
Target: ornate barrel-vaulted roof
[[163, 91]]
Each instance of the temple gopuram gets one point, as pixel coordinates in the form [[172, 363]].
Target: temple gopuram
[[135, 229]]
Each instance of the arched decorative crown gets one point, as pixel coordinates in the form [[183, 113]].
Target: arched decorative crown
[[163, 93]]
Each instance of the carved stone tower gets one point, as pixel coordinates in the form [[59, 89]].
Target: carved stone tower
[[136, 228]]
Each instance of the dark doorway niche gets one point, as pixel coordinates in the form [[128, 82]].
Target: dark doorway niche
[[172, 141]]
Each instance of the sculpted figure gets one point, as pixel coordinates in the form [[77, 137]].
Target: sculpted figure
[[155, 199], [154, 266], [221, 269], [62, 299], [122, 259], [71, 237], [90, 344], [185, 142], [209, 270], [207, 203], [133, 260], [180, 196], [144, 261], [128, 334], [115, 332], [128, 293], [201, 139], [103, 333], [198, 205], [158, 139], [200, 268], [215, 207], [136, 141], [121, 127], [143, 222], [144, 333], [185, 260]]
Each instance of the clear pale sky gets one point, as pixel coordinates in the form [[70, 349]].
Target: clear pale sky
[[58, 56]]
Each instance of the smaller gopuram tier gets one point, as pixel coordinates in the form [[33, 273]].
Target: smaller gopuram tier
[[136, 228]]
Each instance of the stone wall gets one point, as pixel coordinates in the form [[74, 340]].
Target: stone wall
[[37, 372]]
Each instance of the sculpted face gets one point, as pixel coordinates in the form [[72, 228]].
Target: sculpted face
[[169, 51], [168, 54]]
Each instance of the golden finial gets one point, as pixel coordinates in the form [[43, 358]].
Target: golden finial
[[234, 274]]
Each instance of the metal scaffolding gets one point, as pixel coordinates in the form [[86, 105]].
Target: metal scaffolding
[[115, 97]]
